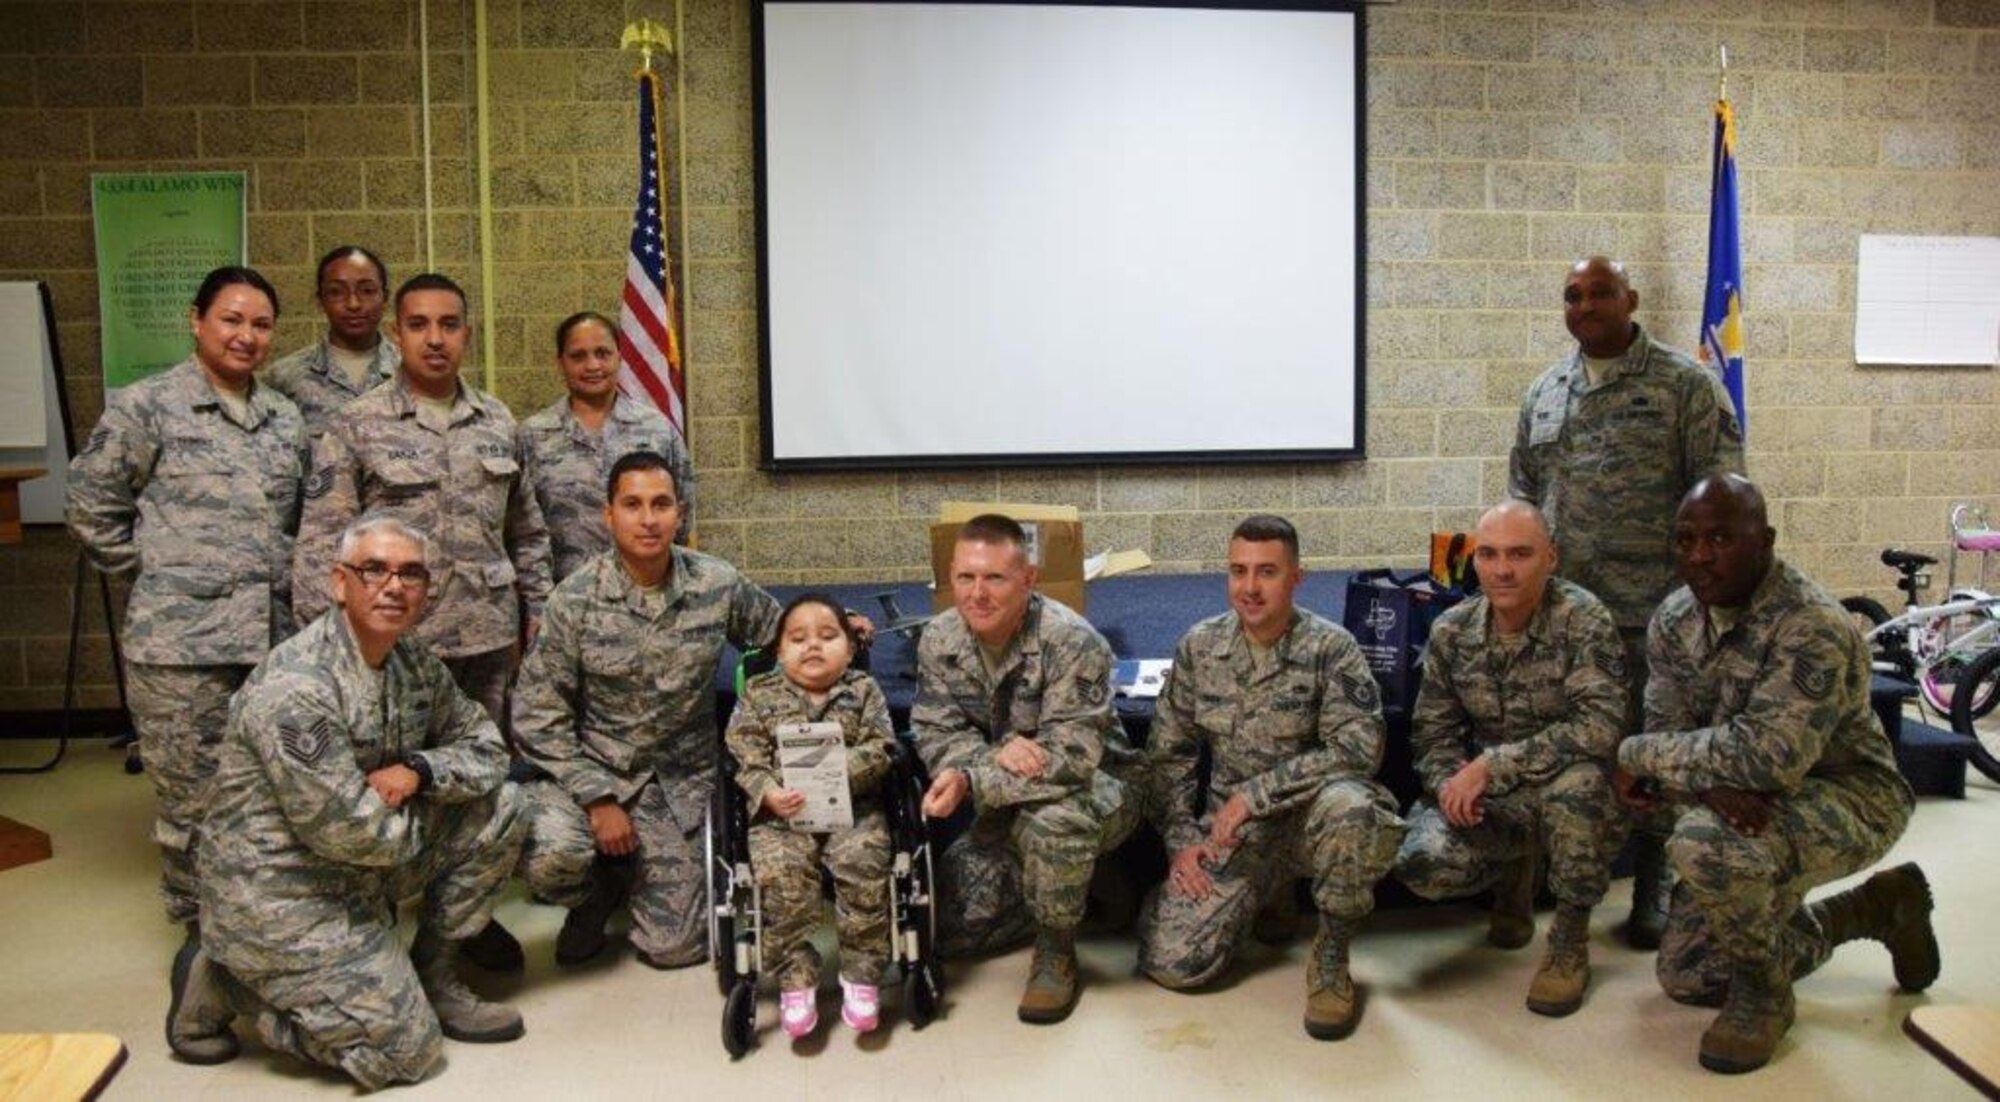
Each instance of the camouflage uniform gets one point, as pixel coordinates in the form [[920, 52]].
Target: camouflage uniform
[[303, 864], [568, 464], [1031, 840], [309, 378], [201, 507], [616, 700], [1608, 465], [1778, 703], [1548, 718], [1299, 740], [787, 861], [461, 484]]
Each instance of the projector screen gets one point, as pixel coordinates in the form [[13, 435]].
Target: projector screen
[[1058, 233]]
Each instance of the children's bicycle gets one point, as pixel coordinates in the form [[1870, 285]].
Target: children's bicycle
[[1950, 651]]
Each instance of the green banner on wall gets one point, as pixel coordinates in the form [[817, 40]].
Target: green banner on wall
[[158, 234]]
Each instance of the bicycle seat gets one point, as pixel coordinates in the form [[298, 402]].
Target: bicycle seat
[[1905, 560]]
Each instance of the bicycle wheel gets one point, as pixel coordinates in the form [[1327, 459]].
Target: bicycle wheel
[[1975, 695]]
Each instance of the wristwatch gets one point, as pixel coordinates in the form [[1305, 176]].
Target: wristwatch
[[416, 764]]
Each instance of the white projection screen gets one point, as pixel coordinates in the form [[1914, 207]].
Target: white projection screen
[[1007, 233]]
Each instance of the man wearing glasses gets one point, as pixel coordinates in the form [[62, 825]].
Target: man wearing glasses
[[352, 358], [354, 774]]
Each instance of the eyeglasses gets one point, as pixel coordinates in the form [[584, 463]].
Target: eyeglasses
[[375, 575]]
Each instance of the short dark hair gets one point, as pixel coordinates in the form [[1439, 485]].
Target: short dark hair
[[229, 276], [430, 281], [1264, 527], [641, 460], [839, 615], [993, 528], [569, 323], [342, 251]]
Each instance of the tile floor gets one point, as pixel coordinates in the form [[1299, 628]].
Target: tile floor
[[83, 947]]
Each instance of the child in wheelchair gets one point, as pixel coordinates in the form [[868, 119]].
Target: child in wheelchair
[[815, 684]]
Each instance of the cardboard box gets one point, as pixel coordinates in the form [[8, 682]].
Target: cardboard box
[[1055, 546]]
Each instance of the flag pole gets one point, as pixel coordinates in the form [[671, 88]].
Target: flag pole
[[1722, 72]]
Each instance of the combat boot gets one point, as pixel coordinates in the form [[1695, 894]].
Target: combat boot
[[582, 935], [1892, 907], [463, 1015], [1052, 985], [198, 1010], [1331, 1009], [1558, 987], [1754, 1018], [1512, 924], [1652, 891], [494, 949]]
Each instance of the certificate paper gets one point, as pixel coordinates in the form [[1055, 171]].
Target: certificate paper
[[813, 760]]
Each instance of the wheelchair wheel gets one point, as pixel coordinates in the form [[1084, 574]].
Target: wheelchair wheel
[[925, 994], [1975, 695], [721, 914], [739, 1019]]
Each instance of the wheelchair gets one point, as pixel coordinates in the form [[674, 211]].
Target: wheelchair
[[735, 903]]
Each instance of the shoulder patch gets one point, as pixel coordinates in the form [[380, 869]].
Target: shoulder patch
[[1816, 682], [308, 744], [319, 482], [1611, 660], [1361, 692]]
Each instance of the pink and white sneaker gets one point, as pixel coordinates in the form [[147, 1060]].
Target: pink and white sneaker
[[798, 1012], [860, 1005]]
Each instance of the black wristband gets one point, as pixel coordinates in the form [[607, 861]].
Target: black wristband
[[422, 768]]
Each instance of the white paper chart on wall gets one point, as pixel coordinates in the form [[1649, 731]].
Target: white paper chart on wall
[[1927, 300], [31, 429]]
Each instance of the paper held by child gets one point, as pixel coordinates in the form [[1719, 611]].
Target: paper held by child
[[813, 759]]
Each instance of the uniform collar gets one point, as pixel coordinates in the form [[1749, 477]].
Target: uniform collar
[[1633, 361], [404, 401], [1480, 632], [1235, 643], [615, 586], [850, 679], [198, 393], [1771, 590]]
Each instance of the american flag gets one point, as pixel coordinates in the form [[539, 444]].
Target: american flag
[[649, 344]]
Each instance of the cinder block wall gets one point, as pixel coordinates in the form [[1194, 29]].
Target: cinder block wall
[[1505, 138]]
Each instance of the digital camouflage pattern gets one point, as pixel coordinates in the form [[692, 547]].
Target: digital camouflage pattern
[[1033, 840], [787, 861], [309, 378], [1777, 704], [179, 713], [461, 483], [568, 464], [1547, 710], [1299, 739], [1608, 465], [172, 487], [303, 864], [618, 700], [202, 507]]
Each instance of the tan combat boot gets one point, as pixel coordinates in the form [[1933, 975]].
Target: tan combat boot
[[1892, 907], [1331, 1008], [463, 1015], [199, 1013], [1512, 925], [1558, 986], [1754, 1018], [1052, 987]]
